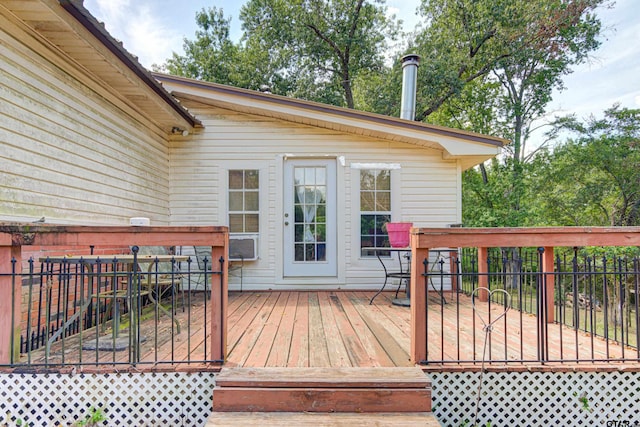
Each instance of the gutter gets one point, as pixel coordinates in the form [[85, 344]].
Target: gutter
[[81, 14]]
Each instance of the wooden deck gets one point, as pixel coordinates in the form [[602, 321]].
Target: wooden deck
[[317, 329], [340, 329]]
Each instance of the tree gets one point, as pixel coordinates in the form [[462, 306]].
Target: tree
[[308, 49], [491, 67], [526, 47], [321, 45], [212, 56], [594, 178], [468, 39]]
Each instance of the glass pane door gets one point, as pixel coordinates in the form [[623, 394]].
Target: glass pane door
[[309, 226]]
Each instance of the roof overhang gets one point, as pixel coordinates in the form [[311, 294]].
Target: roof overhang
[[76, 34], [468, 148]]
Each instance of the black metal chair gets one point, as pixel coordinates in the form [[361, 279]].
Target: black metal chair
[[403, 274]]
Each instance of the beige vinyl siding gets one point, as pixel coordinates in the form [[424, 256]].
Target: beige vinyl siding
[[69, 154], [428, 187]]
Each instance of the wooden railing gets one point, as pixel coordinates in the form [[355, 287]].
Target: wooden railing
[[15, 237], [546, 239]]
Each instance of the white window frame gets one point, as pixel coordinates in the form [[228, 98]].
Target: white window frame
[[263, 197], [244, 190], [395, 185]]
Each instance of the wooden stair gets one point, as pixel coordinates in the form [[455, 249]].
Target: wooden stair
[[322, 397]]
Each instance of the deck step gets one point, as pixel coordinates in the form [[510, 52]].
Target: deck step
[[357, 390], [315, 419]]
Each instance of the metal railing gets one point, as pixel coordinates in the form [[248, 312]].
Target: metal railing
[[113, 311], [568, 304], [595, 312], [594, 292]]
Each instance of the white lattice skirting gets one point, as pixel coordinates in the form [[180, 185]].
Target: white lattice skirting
[[538, 399], [509, 399], [149, 399]]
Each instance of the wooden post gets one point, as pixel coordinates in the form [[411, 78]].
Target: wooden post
[[219, 299], [549, 280], [483, 274], [418, 302], [10, 300]]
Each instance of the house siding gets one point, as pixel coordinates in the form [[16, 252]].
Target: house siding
[[69, 153], [428, 187]]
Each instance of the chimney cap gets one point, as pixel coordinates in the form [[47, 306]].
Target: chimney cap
[[410, 59]]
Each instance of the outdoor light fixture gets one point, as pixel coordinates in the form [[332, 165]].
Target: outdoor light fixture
[[177, 131]]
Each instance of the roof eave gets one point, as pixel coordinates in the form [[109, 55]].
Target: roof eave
[[467, 147], [76, 9], [270, 99]]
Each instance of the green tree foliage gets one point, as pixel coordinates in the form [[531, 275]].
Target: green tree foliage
[[593, 178], [212, 56], [323, 45], [564, 33], [530, 46], [308, 49], [469, 39]]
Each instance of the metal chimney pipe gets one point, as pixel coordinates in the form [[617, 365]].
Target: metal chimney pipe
[[410, 65]]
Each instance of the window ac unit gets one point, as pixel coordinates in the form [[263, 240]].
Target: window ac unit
[[243, 248]]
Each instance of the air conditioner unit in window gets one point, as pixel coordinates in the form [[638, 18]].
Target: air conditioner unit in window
[[243, 248]]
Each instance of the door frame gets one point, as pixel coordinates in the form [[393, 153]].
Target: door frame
[[329, 270]]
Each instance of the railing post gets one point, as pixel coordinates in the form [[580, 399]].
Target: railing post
[[219, 298], [483, 274], [10, 300], [548, 271], [418, 302], [541, 304]]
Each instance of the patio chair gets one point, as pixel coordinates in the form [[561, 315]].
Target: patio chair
[[203, 252], [164, 277]]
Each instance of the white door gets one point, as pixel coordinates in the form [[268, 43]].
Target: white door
[[310, 247]]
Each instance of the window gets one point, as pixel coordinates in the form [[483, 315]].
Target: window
[[244, 204], [375, 208]]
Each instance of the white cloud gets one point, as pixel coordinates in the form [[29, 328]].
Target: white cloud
[[111, 9], [151, 38], [144, 27]]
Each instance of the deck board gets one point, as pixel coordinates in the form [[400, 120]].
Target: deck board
[[318, 352], [334, 333], [299, 351], [279, 353], [266, 341], [364, 348], [249, 336]]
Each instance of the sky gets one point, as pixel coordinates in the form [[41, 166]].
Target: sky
[[153, 29]]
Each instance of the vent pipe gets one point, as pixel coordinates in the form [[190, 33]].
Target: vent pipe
[[410, 65]]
